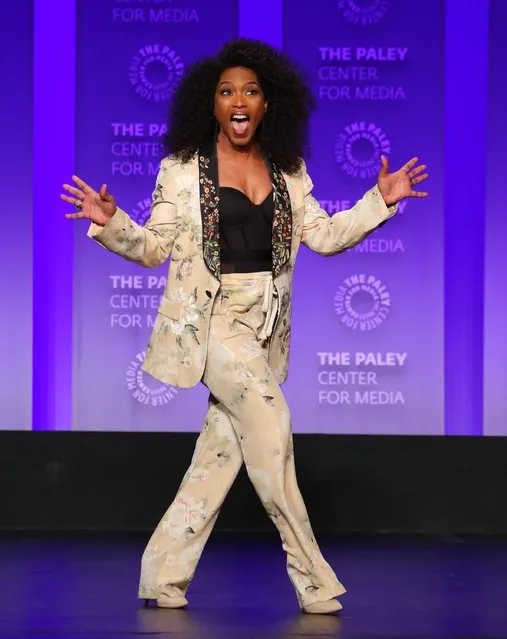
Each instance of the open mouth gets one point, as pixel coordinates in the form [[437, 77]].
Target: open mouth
[[240, 123]]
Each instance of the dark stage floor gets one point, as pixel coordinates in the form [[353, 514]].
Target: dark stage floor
[[419, 588]]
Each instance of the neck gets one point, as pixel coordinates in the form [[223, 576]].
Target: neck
[[229, 150]]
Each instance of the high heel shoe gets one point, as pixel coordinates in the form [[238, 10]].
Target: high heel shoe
[[173, 601], [323, 607]]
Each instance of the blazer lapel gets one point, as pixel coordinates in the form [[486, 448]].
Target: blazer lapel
[[282, 221], [210, 204]]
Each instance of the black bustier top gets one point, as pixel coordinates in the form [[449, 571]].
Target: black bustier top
[[245, 232]]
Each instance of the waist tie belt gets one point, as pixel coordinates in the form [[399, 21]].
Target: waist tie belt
[[269, 308]]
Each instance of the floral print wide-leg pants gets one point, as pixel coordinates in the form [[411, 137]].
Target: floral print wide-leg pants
[[248, 420]]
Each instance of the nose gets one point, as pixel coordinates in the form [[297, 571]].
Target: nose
[[240, 99]]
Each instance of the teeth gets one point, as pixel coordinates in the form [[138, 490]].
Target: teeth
[[240, 117]]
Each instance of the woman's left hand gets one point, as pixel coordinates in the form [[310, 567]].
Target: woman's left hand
[[396, 186]]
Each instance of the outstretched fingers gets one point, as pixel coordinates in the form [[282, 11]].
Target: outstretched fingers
[[77, 196], [417, 170], [86, 188], [408, 166], [384, 165], [419, 194], [72, 189], [72, 200], [419, 179], [75, 216]]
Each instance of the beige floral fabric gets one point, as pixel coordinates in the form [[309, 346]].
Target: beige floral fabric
[[248, 421], [183, 226], [232, 333]]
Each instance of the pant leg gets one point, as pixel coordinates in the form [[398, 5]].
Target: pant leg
[[171, 556], [239, 376]]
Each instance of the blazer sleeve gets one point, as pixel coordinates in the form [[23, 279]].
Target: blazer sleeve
[[330, 235], [149, 245]]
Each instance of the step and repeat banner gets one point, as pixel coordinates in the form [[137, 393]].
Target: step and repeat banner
[[16, 52], [368, 344], [130, 55], [367, 354], [495, 311], [368, 324]]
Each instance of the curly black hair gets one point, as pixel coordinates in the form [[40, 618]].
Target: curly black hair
[[283, 135]]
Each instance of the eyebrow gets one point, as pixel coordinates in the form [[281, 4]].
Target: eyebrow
[[245, 84]]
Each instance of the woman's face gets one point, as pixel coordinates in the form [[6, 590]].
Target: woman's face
[[239, 105]]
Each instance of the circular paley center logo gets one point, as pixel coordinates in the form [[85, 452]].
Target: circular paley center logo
[[144, 389], [141, 211], [364, 12], [358, 149], [362, 302], [154, 72]]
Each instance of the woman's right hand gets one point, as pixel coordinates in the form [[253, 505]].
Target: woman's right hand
[[97, 206]]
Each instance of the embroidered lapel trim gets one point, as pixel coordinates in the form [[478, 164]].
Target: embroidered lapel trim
[[210, 204], [210, 213], [282, 221]]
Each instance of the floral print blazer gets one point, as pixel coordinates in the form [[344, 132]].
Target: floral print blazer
[[184, 226]]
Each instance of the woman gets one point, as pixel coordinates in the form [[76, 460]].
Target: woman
[[232, 203]]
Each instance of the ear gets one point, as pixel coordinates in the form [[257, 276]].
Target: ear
[[265, 106]]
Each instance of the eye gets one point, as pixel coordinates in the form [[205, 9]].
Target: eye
[[252, 92], [225, 92]]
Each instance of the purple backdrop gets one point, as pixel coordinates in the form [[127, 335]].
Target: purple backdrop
[[16, 254], [375, 362], [129, 56], [495, 324]]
